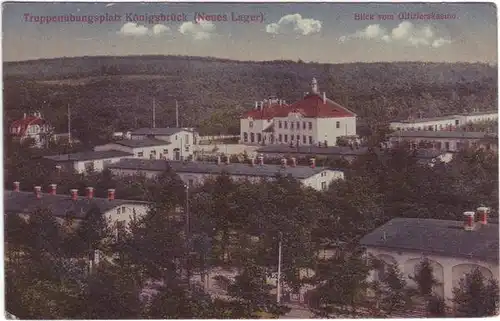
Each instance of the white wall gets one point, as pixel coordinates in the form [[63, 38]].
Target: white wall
[[98, 164], [289, 131], [454, 144], [436, 124], [125, 213], [252, 126], [327, 129], [326, 177], [479, 118], [166, 150], [447, 270]]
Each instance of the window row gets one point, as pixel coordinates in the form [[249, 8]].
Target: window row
[[284, 124], [297, 138]]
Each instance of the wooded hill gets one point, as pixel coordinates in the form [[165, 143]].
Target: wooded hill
[[116, 93]]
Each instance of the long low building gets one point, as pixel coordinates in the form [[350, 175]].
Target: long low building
[[193, 173], [445, 140], [444, 122], [88, 161], [71, 205], [453, 248]]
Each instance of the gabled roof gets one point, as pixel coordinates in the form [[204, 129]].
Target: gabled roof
[[60, 205], [442, 134], [147, 142], [26, 122], [166, 131], [90, 155], [236, 169], [440, 237], [313, 106]]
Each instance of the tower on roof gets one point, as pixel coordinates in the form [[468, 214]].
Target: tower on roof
[[314, 86]]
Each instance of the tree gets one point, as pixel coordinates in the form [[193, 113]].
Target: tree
[[391, 292], [342, 285], [424, 277], [476, 297]]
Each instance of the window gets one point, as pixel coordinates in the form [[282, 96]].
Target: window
[[298, 138], [457, 122], [323, 185], [118, 210], [286, 125], [245, 137], [187, 139], [190, 183], [124, 209], [165, 151], [310, 125], [186, 148], [252, 137], [298, 125], [291, 125], [280, 124], [286, 138], [310, 140], [280, 138], [447, 145], [438, 145], [175, 137], [304, 139], [292, 137], [250, 124], [337, 124], [430, 127], [259, 137], [140, 154], [304, 125]]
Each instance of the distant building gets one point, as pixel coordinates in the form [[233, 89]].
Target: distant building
[[88, 161], [314, 120], [149, 148], [454, 248], [32, 127], [181, 141], [193, 173], [71, 205], [445, 140], [450, 122]]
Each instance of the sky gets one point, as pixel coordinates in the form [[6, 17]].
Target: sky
[[319, 32]]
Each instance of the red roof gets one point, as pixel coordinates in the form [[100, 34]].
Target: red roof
[[268, 112], [25, 123], [310, 106]]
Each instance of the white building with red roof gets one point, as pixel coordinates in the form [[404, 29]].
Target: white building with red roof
[[31, 126], [314, 120]]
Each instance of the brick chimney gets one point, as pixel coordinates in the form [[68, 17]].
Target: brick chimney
[[261, 160], [294, 161], [111, 194], [38, 191], [469, 221], [283, 162], [324, 98], [74, 194], [313, 162], [53, 189], [483, 214], [16, 186], [90, 192]]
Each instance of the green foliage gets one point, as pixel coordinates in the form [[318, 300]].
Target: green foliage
[[424, 278], [391, 291], [476, 296]]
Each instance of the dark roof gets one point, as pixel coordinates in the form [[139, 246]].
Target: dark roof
[[441, 134], [167, 131], [90, 155], [266, 170], [440, 237], [424, 120], [60, 205], [147, 142], [312, 150]]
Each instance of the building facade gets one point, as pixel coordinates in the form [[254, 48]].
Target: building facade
[[32, 127], [181, 141], [453, 248], [194, 173], [86, 162], [314, 120]]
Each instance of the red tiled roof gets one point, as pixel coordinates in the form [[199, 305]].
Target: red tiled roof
[[268, 112], [312, 106], [25, 123]]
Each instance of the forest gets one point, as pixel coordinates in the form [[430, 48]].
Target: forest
[[237, 224], [109, 94]]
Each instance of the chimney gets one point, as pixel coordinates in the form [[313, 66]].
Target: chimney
[[256, 105], [483, 214], [469, 221], [313, 162], [74, 194], [294, 161], [90, 192], [228, 160], [324, 98], [252, 161], [38, 191], [24, 115], [111, 194], [16, 186], [53, 189], [283, 162], [261, 160], [218, 160]]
